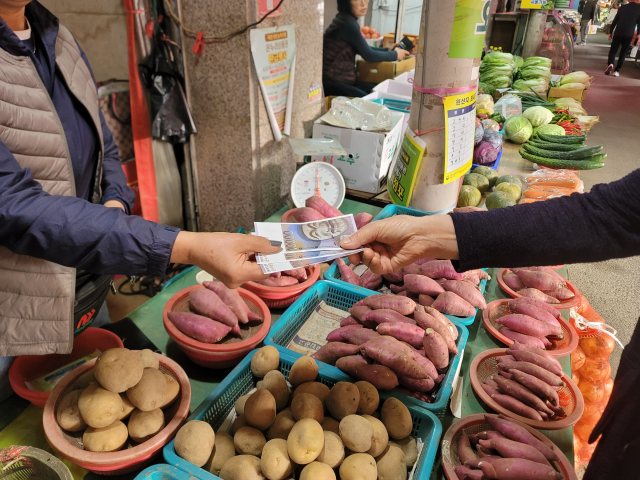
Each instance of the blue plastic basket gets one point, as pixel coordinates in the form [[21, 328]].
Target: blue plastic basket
[[391, 210], [163, 472], [396, 105], [218, 405], [493, 166], [343, 296]]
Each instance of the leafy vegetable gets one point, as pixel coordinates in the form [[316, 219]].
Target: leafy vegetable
[[518, 61], [576, 77], [518, 129], [498, 57], [479, 134], [484, 154], [550, 129], [494, 138], [538, 116], [497, 117], [486, 88], [545, 62], [574, 86]]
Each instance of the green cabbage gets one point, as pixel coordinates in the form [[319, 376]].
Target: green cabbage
[[518, 129], [498, 57], [549, 129], [538, 116], [545, 62]]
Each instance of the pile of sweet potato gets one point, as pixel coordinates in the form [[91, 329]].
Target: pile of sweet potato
[[539, 283], [531, 322], [508, 452], [286, 278], [528, 383], [215, 311]]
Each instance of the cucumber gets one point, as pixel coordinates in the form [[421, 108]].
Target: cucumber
[[562, 138], [556, 147], [580, 154], [568, 164]]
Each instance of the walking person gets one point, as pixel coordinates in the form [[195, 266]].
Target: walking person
[[623, 29], [590, 13]]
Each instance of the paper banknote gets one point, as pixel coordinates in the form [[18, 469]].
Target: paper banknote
[[272, 267]]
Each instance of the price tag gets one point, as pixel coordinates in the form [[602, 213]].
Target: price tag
[[460, 129], [405, 168]]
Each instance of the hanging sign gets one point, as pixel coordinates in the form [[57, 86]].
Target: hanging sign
[[469, 27], [537, 4], [460, 128], [274, 55], [405, 168]]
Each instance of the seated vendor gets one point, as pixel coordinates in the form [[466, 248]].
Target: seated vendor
[[342, 40]]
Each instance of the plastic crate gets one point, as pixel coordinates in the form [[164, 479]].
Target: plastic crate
[[163, 472], [391, 210], [343, 296], [493, 166], [395, 105], [219, 404]]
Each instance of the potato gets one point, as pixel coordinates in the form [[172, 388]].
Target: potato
[[260, 409], [194, 442], [317, 471], [249, 441], [343, 400], [172, 391], [238, 423], [410, 448], [149, 359], [318, 389], [391, 464], [68, 413], [223, 450], [85, 380], [149, 393], [380, 438], [144, 425], [305, 442], [260, 385], [275, 382], [99, 407], [242, 467], [305, 369], [240, 403], [333, 451], [105, 439], [396, 418], [275, 463], [118, 369], [356, 433], [359, 466], [306, 405], [265, 360], [369, 398], [331, 425], [127, 407], [281, 426]]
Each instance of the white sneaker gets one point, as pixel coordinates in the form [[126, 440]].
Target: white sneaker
[[608, 70], [616, 74]]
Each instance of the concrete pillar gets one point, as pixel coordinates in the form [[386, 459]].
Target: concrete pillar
[[243, 175], [534, 32]]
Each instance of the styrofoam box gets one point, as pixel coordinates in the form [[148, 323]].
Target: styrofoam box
[[405, 77], [395, 88]]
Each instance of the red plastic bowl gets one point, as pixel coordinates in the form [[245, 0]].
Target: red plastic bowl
[[575, 301], [29, 367], [571, 400], [560, 347], [282, 297], [287, 218], [133, 456], [477, 423], [232, 349]]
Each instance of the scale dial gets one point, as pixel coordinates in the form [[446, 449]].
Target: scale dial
[[318, 178]]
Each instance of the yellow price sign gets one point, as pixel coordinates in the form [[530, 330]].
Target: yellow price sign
[[277, 57], [460, 128]]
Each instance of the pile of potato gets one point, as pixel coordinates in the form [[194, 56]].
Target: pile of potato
[[124, 384], [305, 431]]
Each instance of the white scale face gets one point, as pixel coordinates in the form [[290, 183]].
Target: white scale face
[[318, 177]]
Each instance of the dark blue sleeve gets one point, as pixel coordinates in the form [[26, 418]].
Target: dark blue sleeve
[[74, 232], [350, 33]]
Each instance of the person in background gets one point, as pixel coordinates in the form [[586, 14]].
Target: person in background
[[590, 13], [342, 41], [613, 11], [623, 29]]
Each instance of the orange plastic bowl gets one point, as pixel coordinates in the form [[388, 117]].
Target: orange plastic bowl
[[232, 349], [575, 301], [282, 297], [561, 346], [485, 365], [287, 218], [133, 456], [477, 423], [29, 367]]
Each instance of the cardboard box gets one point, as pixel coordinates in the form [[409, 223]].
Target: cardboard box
[[370, 154], [381, 71], [579, 95]]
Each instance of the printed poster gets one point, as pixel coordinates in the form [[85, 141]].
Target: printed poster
[[537, 4], [460, 128], [469, 27], [405, 168], [274, 53]]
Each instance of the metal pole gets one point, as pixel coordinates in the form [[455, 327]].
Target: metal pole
[[402, 4]]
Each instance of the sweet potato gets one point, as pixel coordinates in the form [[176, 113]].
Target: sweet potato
[[491, 383], [520, 434], [358, 336], [393, 354], [276, 275], [336, 335], [359, 311], [485, 452], [426, 364], [424, 320], [371, 280], [321, 206], [347, 274], [279, 282], [517, 469], [537, 386], [475, 463], [386, 316], [349, 321], [489, 434], [490, 389], [513, 281], [381, 377], [205, 302], [537, 295], [404, 306], [528, 325], [231, 298], [435, 348], [561, 294], [332, 351], [505, 358], [362, 219], [466, 291], [298, 273], [201, 328], [510, 387], [522, 338], [253, 317], [422, 285], [482, 275], [463, 472], [516, 406], [412, 334], [504, 374], [395, 277], [540, 304], [306, 214], [465, 452], [538, 351], [426, 300], [397, 288], [452, 304], [424, 385], [441, 269], [412, 269], [542, 373], [540, 360], [439, 316], [473, 438], [557, 409], [535, 312], [548, 270], [422, 261], [539, 280]]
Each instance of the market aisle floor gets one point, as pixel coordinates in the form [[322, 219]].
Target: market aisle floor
[[611, 287]]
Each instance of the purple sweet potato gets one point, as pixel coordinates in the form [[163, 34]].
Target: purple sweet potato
[[332, 351], [562, 294], [349, 321], [489, 434], [439, 316], [336, 335], [537, 386], [522, 338], [279, 282], [426, 300], [435, 348], [485, 452], [371, 280], [465, 452], [452, 304], [516, 406], [513, 281], [548, 270], [253, 317], [306, 214], [424, 385], [347, 274], [201, 328], [540, 360], [231, 298], [395, 277], [473, 438], [298, 273], [491, 383], [510, 387], [422, 285], [490, 389], [424, 320], [535, 312], [358, 336], [411, 334], [362, 219], [359, 311], [426, 364], [413, 269], [540, 304], [528, 325], [537, 295], [386, 316], [517, 469], [505, 358], [393, 354], [537, 351], [539, 280], [504, 374], [542, 373], [404, 306], [465, 473], [321, 206], [490, 459], [381, 377], [466, 291], [557, 410], [441, 269], [207, 303], [397, 288], [520, 434]]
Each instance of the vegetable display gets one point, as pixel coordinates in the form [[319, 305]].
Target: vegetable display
[[563, 152], [496, 71], [539, 281], [518, 129]]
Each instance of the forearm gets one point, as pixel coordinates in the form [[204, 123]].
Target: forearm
[[440, 235]]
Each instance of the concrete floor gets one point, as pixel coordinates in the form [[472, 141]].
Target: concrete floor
[[611, 287]]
